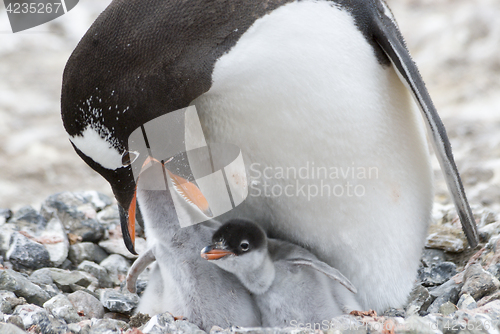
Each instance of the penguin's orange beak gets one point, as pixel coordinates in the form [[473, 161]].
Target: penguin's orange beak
[[213, 253], [188, 190]]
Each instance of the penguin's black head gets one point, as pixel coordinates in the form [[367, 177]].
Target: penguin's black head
[[140, 60], [236, 237]]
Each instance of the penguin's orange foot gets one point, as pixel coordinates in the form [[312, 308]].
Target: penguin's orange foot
[[370, 313], [181, 317]]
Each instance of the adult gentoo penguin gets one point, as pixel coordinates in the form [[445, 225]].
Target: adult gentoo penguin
[[293, 84], [289, 283]]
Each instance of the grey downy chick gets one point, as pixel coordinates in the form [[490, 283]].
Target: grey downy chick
[[289, 283]]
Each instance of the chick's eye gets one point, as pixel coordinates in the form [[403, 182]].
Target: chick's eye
[[244, 245]]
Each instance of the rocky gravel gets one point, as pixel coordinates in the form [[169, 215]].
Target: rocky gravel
[[80, 288]]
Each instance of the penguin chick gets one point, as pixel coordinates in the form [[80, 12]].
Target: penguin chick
[[289, 283]]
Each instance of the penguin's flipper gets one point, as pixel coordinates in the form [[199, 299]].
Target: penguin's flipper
[[388, 37], [325, 269], [144, 260]]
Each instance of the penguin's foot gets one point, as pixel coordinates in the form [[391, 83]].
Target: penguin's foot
[[369, 313], [181, 317]]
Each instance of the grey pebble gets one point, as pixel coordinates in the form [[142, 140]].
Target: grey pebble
[[32, 315], [6, 328], [22, 287], [68, 281], [54, 326], [77, 212], [42, 276], [446, 238], [466, 302], [437, 273], [432, 257], [116, 301], [27, 218], [61, 308], [86, 251], [117, 267], [27, 254], [86, 303], [447, 308], [158, 323], [107, 326], [16, 321], [478, 282], [447, 292], [57, 241], [418, 300], [5, 215], [98, 272]]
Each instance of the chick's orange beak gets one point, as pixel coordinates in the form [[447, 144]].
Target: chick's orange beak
[[213, 253]]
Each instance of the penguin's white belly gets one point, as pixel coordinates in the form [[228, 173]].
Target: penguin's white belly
[[339, 138]]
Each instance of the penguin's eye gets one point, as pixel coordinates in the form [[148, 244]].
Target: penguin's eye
[[244, 245], [129, 157]]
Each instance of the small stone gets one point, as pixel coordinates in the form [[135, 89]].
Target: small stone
[[27, 254], [116, 301], [466, 302], [486, 299], [98, 200], [446, 238], [88, 251], [42, 276], [32, 315], [418, 300], [489, 230], [432, 257], [117, 267], [437, 274], [54, 326], [22, 287], [447, 292], [84, 302], [447, 308], [10, 329], [116, 316], [183, 326], [16, 321], [394, 312], [5, 215], [6, 233], [109, 217], [158, 323], [98, 272], [5, 306], [61, 308], [77, 213], [478, 282], [55, 241], [108, 326], [495, 270], [117, 246], [75, 328], [11, 298], [28, 219], [139, 319], [65, 279]]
